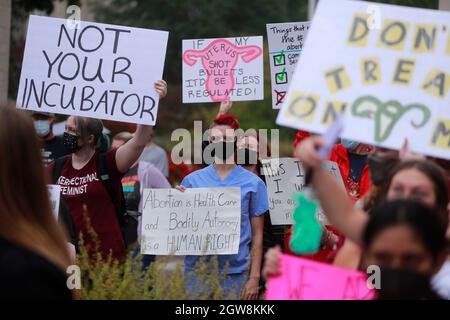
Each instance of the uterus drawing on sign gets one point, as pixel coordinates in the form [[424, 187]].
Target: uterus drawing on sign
[[219, 60]]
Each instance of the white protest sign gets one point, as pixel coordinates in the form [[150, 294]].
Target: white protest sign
[[97, 70], [199, 221], [285, 47], [55, 195], [387, 67], [284, 177], [215, 69]]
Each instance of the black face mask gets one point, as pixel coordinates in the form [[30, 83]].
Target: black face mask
[[223, 150], [380, 168], [70, 142], [247, 157], [402, 284]]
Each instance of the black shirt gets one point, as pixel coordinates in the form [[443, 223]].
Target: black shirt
[[132, 189], [26, 275], [53, 149], [357, 163]]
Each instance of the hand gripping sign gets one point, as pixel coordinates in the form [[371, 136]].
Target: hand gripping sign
[[221, 74], [307, 230]]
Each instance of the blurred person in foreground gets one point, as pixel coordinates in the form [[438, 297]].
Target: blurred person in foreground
[[34, 254]]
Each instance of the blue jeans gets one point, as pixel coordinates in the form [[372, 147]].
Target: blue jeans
[[147, 259], [232, 284]]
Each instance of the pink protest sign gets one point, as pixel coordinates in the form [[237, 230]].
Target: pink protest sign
[[303, 279], [217, 69]]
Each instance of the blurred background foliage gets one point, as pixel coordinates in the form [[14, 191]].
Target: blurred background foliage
[[191, 19]]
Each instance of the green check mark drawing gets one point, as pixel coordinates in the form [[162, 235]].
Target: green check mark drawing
[[279, 58], [282, 75]]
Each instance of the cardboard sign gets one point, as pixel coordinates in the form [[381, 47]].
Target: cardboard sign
[[199, 221], [284, 177], [386, 67], [55, 196], [303, 279], [92, 70], [285, 47], [217, 69]]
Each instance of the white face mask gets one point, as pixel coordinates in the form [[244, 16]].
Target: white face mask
[[42, 127]]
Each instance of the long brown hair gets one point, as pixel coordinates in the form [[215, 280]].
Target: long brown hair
[[436, 175], [263, 145], [26, 218], [372, 197], [427, 167]]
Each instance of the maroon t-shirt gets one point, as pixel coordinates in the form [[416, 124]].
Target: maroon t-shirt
[[83, 187]]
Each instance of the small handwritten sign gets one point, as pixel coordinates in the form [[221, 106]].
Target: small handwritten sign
[[303, 279]]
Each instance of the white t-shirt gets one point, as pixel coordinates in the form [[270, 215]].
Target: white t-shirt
[[441, 281]]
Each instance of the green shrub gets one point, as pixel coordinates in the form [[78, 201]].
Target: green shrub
[[108, 279]]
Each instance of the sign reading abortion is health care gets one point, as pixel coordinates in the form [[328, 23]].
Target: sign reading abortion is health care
[[92, 70], [198, 221], [387, 68]]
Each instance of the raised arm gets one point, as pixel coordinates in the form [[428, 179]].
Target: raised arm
[[129, 153], [334, 200], [225, 107]]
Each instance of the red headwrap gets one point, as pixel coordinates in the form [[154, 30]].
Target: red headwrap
[[227, 120]]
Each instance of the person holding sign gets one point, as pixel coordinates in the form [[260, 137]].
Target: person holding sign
[[381, 162], [250, 149], [140, 176], [34, 255], [404, 242], [351, 158], [419, 180], [225, 173], [83, 186]]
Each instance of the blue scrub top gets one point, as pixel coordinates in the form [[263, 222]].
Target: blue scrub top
[[254, 203]]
